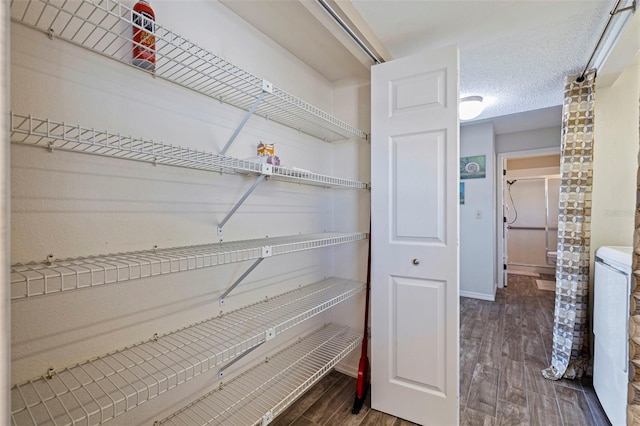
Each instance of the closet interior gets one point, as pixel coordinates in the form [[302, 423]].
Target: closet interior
[[162, 272]]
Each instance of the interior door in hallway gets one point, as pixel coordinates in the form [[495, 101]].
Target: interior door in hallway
[[415, 219]]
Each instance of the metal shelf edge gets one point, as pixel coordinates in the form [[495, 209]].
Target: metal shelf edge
[[343, 340], [40, 278], [110, 391], [31, 131]]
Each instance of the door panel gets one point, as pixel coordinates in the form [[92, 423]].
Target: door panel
[[417, 178], [415, 215], [418, 91], [419, 326]]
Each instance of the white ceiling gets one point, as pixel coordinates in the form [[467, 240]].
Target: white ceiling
[[514, 53]]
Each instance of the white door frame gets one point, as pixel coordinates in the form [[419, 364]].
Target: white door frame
[[499, 200]]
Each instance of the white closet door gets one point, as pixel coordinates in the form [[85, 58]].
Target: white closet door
[[415, 288]]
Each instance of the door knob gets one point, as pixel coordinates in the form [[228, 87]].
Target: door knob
[[415, 261]]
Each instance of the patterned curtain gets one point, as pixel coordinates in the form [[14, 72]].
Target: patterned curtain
[[571, 321], [633, 409]]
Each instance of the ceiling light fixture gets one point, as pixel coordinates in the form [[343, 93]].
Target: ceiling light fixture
[[470, 107]]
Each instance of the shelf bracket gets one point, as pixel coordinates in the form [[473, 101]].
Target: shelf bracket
[[266, 252], [268, 335], [267, 170], [267, 87], [222, 371]]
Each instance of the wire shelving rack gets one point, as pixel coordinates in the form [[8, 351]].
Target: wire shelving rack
[[54, 135], [99, 389], [102, 388], [106, 27], [46, 277], [263, 392]]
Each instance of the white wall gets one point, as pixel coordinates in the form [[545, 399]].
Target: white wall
[[478, 236], [615, 162], [547, 137], [352, 102], [71, 205]]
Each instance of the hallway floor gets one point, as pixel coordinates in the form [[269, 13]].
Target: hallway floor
[[503, 346]]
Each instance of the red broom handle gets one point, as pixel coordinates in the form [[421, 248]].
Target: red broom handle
[[368, 294]]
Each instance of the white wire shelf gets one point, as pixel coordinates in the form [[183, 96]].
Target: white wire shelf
[[97, 390], [50, 134], [40, 278], [106, 27], [264, 391]]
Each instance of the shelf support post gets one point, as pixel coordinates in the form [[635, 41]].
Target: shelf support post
[[266, 252], [267, 87], [267, 170]]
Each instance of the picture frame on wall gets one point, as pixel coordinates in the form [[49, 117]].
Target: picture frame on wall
[[474, 167]]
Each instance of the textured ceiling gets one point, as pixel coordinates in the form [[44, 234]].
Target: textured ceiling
[[513, 53]]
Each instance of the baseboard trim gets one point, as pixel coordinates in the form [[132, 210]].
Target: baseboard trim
[[525, 273], [349, 370], [481, 296]]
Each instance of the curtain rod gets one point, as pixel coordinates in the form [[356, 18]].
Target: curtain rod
[[350, 32], [613, 12]]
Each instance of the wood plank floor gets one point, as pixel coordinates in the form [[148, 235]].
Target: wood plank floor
[[503, 346]]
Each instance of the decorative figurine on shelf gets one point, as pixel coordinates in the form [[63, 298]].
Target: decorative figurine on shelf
[[267, 153], [266, 149]]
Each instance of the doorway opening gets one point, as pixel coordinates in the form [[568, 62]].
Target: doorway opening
[[528, 195]]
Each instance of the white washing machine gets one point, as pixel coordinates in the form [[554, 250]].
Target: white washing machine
[[612, 288]]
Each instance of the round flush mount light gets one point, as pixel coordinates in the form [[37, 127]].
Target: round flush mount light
[[470, 107]]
